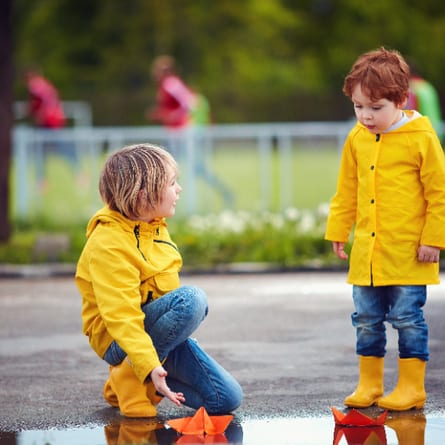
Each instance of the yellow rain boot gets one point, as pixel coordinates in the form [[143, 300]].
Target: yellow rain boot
[[130, 392], [370, 384], [111, 397], [410, 389], [410, 429]]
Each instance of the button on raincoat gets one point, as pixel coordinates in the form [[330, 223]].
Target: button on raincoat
[[391, 191], [124, 264]]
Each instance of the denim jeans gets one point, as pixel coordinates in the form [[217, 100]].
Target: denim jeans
[[401, 306], [170, 320]]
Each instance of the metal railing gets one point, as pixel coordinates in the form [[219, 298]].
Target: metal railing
[[90, 145]]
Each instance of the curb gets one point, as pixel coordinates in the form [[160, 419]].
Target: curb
[[55, 270], [37, 270]]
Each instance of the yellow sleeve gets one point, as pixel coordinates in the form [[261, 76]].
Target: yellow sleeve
[[342, 211], [432, 176], [115, 280]]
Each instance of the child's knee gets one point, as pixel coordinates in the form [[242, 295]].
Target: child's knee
[[227, 402], [197, 299]]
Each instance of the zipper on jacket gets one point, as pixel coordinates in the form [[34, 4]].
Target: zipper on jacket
[[166, 242], [136, 234], [377, 137]]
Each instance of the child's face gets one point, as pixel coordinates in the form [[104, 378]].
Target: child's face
[[168, 200], [170, 195], [376, 116]]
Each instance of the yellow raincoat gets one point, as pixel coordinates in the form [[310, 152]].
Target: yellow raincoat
[[123, 265], [392, 188]]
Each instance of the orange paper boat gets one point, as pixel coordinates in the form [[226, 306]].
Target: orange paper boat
[[356, 418], [201, 423]]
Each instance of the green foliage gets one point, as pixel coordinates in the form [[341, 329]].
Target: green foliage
[[292, 239], [18, 250], [271, 60]]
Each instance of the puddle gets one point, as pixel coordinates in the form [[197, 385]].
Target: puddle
[[401, 429]]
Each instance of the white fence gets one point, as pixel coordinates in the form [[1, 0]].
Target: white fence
[[58, 169], [78, 112]]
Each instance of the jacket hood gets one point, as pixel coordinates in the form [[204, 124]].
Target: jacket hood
[[107, 216]]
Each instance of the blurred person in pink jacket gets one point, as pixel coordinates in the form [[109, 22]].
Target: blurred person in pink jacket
[[184, 112], [174, 99], [46, 112], [44, 105]]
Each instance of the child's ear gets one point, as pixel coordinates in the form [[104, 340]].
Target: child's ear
[[142, 197]]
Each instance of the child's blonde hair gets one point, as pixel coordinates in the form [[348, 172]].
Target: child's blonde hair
[[382, 74], [130, 170]]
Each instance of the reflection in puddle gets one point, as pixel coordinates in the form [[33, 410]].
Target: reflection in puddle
[[400, 429]]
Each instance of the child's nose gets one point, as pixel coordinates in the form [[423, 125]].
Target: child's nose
[[367, 115]]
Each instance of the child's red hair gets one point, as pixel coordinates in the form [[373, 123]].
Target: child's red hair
[[382, 74]]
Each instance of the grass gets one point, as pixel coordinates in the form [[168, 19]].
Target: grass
[[306, 179]]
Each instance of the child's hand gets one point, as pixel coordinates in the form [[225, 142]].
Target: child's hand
[[158, 376], [339, 250], [428, 254]]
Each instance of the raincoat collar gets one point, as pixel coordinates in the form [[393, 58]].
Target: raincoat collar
[[106, 215], [414, 122]]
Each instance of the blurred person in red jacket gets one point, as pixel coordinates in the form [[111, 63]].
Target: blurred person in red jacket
[[174, 99], [44, 105], [46, 111], [184, 112]]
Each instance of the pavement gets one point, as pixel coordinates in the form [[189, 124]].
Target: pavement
[[286, 337]]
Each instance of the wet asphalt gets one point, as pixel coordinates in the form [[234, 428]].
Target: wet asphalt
[[286, 337]]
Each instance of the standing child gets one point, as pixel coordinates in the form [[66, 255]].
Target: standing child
[[391, 186], [137, 316]]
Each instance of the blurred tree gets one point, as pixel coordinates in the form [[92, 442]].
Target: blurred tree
[[275, 60], [6, 83]]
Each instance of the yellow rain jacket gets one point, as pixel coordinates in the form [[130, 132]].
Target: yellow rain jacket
[[123, 265], [392, 188]]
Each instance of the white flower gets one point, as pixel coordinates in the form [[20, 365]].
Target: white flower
[[292, 214], [307, 222], [323, 209]]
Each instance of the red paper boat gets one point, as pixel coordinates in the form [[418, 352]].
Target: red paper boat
[[356, 418], [201, 423]]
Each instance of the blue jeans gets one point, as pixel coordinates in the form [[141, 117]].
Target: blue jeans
[[170, 320], [401, 306]]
